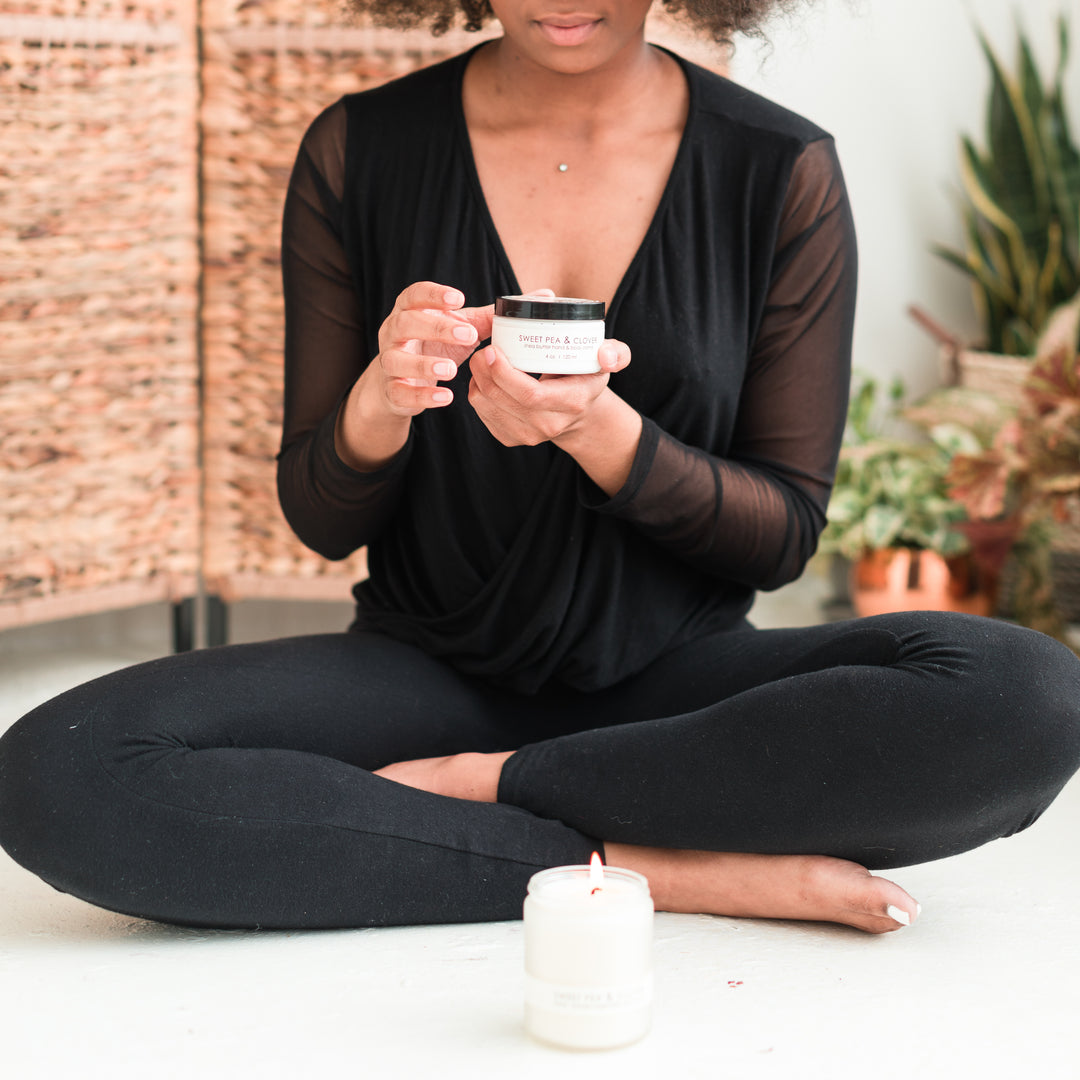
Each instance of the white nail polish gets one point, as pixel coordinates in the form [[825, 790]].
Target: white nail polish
[[898, 915]]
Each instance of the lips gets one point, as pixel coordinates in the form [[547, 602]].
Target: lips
[[566, 30]]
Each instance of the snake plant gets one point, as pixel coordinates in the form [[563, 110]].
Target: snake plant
[[1021, 202]]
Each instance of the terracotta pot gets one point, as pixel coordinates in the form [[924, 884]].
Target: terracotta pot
[[900, 579]]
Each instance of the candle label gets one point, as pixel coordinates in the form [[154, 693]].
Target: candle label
[[588, 1000]]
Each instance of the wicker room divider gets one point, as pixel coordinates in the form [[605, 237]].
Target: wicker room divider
[[105, 433], [99, 419]]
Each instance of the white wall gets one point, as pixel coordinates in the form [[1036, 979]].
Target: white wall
[[897, 82]]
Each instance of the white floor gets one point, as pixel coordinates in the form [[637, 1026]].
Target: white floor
[[985, 984]]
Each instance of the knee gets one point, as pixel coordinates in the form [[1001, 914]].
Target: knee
[[48, 788], [1050, 673], [1010, 696], [1027, 688], [1036, 673]]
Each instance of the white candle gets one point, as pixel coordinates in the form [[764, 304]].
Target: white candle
[[588, 956]]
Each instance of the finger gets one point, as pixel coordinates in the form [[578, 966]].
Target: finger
[[427, 325], [613, 355], [404, 364], [480, 318], [429, 294], [502, 423], [499, 380], [519, 393], [484, 384], [520, 386], [415, 396], [541, 294]]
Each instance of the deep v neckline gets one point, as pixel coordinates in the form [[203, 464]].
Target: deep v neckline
[[461, 132]]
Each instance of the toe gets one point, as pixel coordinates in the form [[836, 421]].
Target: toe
[[892, 905], [878, 905]]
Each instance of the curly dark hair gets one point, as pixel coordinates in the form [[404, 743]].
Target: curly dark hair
[[716, 19]]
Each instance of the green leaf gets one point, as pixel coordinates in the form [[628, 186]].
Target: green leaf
[[985, 244], [1063, 170], [860, 409], [1044, 289], [985, 204], [955, 439], [882, 526], [1018, 337], [1063, 173], [1031, 85], [979, 185], [1018, 171], [1063, 52], [952, 543]]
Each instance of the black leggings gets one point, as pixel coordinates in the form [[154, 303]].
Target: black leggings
[[231, 787]]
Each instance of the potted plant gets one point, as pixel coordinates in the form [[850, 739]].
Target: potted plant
[[1026, 480], [892, 516], [1021, 211]]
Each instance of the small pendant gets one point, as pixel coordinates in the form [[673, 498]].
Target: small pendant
[[563, 166]]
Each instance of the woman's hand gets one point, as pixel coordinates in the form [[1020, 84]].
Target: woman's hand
[[421, 343], [580, 414], [520, 410]]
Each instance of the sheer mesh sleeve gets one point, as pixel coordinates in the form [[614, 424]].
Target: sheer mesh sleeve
[[332, 508], [754, 516]]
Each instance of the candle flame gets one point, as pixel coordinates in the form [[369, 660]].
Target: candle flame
[[596, 873]]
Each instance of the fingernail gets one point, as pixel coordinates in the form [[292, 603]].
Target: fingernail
[[443, 370], [453, 298], [442, 396], [464, 333], [489, 354], [898, 915]]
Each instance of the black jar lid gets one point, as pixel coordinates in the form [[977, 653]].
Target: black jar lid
[[549, 308]]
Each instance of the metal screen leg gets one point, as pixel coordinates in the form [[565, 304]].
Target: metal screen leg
[[217, 621], [183, 625]]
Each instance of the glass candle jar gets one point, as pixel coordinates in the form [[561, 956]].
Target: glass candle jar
[[588, 957], [557, 335]]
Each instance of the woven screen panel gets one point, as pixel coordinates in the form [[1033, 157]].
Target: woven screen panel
[[230, 14], [99, 422], [81, 14]]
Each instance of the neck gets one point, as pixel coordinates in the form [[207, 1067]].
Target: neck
[[522, 92]]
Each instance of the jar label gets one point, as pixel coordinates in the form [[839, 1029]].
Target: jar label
[[588, 1000]]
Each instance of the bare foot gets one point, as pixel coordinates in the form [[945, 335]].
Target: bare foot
[[812, 887], [460, 776], [815, 887]]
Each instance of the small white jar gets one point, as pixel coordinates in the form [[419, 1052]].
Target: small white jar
[[557, 335], [588, 957]]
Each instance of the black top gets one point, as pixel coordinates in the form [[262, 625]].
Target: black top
[[738, 307]]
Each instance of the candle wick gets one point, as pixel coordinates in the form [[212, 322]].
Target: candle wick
[[596, 890]]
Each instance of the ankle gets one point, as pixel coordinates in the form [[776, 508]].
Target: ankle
[[472, 776]]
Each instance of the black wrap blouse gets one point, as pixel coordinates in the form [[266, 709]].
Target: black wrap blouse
[[738, 309]]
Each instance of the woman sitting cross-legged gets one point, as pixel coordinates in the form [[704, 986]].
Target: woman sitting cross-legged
[[551, 654]]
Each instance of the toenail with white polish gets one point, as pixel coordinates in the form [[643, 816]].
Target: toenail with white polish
[[898, 915]]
